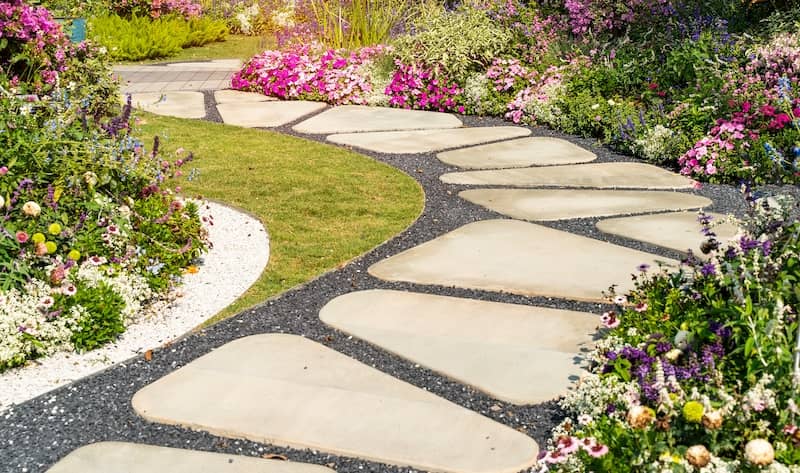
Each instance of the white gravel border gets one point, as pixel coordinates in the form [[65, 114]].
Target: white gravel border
[[239, 255]]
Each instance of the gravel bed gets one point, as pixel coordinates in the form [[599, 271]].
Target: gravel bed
[[35, 434]]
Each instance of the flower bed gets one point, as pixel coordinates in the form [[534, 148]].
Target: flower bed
[[669, 82], [89, 233]]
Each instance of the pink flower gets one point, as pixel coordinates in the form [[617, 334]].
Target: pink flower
[[22, 237], [3, 170], [568, 445], [598, 450], [609, 319]]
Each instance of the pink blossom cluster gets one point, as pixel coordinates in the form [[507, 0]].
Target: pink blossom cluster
[[306, 71], [599, 16], [157, 8], [568, 445], [418, 87], [535, 91], [727, 136], [33, 35], [507, 73]]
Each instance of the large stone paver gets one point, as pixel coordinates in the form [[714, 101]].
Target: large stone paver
[[598, 175], [424, 141], [121, 457], [266, 114], [516, 353], [679, 231], [359, 118], [559, 204], [287, 390], [518, 257], [237, 96], [534, 151], [214, 65], [181, 104]]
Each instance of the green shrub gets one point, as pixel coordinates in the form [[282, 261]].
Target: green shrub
[[102, 321], [458, 43], [136, 38]]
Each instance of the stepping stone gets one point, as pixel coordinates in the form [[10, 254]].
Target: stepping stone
[[561, 204], [516, 353], [181, 104], [359, 118], [679, 231], [266, 114], [520, 258], [121, 457], [290, 391], [237, 96], [534, 151], [424, 141], [215, 65], [600, 175]]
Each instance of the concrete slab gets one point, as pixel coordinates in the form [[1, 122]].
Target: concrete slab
[[678, 231], [561, 204], [599, 175], [266, 114], [121, 457], [520, 258], [359, 118], [181, 104], [215, 65], [237, 96], [424, 141], [516, 353], [290, 391], [534, 151]]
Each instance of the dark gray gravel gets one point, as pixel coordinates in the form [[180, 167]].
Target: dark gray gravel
[[36, 434]]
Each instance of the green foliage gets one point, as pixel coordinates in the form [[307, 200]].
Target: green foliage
[[455, 43], [136, 38], [357, 23], [102, 322]]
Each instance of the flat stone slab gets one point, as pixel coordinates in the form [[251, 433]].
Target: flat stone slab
[[121, 457], [560, 204], [534, 151], [289, 391], [679, 231], [181, 104], [516, 353], [359, 118], [520, 258], [237, 96], [266, 114], [597, 175], [215, 65], [425, 141]]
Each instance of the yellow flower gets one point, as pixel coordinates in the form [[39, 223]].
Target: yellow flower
[[54, 229], [192, 269], [74, 255], [38, 238], [693, 412], [51, 247]]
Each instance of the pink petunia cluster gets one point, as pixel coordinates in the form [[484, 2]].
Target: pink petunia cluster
[[728, 135], [568, 445], [506, 74], [35, 38], [336, 77], [417, 87]]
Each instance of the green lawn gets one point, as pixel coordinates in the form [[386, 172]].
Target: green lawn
[[234, 47], [322, 205]]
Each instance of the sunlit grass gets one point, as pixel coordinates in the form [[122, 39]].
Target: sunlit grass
[[321, 205]]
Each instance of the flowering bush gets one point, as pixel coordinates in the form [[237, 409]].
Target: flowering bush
[[88, 232], [310, 72], [156, 8], [698, 371], [420, 88]]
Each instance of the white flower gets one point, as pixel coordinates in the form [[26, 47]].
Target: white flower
[[31, 209], [2, 201], [759, 452], [611, 102], [69, 290], [620, 300], [585, 419], [595, 106], [46, 302]]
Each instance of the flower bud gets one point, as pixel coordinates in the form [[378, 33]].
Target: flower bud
[[698, 455]]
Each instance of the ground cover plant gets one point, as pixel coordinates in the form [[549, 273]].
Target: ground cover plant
[[706, 88], [322, 205], [89, 233]]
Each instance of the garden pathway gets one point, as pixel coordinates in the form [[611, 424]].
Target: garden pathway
[[287, 390]]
